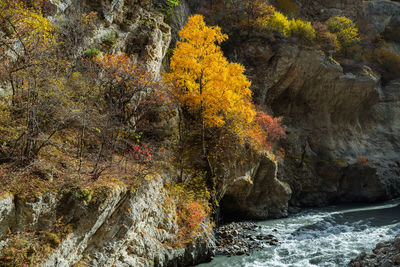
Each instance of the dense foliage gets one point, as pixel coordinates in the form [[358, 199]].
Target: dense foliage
[[347, 34], [213, 98]]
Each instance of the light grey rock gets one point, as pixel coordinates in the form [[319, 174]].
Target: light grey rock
[[258, 194], [120, 228], [7, 212], [376, 15]]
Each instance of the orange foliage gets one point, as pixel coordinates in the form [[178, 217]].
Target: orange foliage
[[267, 129], [272, 126], [123, 80], [362, 161], [215, 91], [195, 214], [205, 83]]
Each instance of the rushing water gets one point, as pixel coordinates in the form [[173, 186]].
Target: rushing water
[[322, 237]]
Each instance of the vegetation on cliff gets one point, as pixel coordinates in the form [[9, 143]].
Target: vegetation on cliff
[[79, 113]]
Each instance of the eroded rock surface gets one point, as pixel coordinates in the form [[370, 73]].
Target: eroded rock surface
[[118, 228], [335, 121], [343, 138], [258, 194]]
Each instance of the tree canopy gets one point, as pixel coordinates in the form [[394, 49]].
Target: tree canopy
[[207, 84]]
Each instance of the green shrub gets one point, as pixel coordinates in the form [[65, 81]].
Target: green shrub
[[346, 33], [277, 22], [110, 39], [165, 6], [91, 53], [302, 30]]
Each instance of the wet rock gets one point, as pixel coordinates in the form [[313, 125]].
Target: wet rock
[[234, 239], [397, 259], [386, 254]]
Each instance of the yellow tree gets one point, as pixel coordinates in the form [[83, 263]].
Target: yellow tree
[[214, 91], [28, 63]]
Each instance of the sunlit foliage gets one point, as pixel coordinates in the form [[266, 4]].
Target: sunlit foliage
[[206, 83], [347, 34], [302, 30]]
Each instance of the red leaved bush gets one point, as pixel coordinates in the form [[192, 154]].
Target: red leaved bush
[[140, 153], [195, 214], [271, 126], [267, 129]]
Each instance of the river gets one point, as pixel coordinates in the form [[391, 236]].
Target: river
[[322, 237]]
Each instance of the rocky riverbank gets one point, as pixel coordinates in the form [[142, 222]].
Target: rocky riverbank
[[385, 254], [241, 238]]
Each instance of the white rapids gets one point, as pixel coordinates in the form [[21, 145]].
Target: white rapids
[[322, 237]]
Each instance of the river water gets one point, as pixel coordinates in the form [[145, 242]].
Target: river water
[[322, 237]]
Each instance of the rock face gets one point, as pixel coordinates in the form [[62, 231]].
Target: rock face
[[323, 9], [121, 229], [384, 254], [380, 17], [343, 138], [258, 194], [343, 141], [122, 26]]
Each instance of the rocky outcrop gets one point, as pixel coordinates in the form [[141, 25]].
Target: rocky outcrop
[[379, 17], [324, 9], [7, 210], [116, 228], [258, 194], [121, 26], [384, 254], [343, 142]]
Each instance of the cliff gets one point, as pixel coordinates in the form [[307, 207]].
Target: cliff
[[113, 226], [342, 121]]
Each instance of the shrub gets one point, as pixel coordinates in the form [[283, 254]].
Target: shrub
[[277, 22], [347, 34], [192, 202], [326, 40], [269, 129], [110, 39], [165, 6], [387, 62], [91, 53], [298, 28], [362, 161], [302, 30]]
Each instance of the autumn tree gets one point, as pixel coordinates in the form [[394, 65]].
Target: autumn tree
[[212, 91], [32, 112], [123, 99]]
